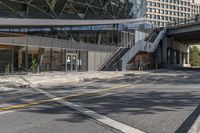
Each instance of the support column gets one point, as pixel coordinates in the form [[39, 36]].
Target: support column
[[165, 51], [26, 59], [40, 59], [188, 57], [183, 55], [62, 58], [65, 62], [99, 38], [79, 61], [180, 58], [12, 61], [51, 59], [175, 57], [171, 56]]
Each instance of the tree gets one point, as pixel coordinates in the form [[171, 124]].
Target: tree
[[194, 56], [34, 65]]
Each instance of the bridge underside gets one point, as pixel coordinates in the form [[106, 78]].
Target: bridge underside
[[186, 33], [189, 38]]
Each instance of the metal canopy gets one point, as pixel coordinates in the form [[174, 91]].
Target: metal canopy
[[62, 22]]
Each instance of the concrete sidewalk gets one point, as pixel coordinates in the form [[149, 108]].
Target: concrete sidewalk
[[55, 78]]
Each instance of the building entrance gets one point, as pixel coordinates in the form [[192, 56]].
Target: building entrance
[[71, 62]]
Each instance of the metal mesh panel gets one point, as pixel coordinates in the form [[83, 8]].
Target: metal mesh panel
[[20, 40], [34, 41], [67, 44], [6, 40], [57, 43], [44, 42]]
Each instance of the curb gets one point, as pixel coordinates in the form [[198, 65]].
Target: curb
[[195, 127]]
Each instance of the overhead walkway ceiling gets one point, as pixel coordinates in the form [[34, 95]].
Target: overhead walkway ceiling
[[187, 33]]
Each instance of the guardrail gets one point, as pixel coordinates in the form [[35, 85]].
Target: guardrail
[[184, 21]]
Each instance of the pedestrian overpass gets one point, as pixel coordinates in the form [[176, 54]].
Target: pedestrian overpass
[[186, 32], [169, 46]]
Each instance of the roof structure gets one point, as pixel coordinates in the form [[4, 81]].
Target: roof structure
[[70, 9]]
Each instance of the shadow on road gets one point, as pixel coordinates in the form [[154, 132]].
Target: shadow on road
[[136, 102]]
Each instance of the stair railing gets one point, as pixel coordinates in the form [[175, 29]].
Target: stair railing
[[107, 58]]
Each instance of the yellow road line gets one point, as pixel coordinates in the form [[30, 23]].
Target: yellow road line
[[61, 98]]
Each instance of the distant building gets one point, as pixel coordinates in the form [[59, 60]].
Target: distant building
[[160, 12]]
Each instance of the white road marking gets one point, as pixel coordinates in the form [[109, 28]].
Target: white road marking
[[98, 117], [101, 118], [6, 112]]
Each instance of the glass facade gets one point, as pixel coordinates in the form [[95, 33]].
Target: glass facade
[[71, 46]]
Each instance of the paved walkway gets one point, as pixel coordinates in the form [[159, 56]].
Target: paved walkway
[[55, 78]]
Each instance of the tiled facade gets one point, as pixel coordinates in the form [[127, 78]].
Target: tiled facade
[[160, 12]]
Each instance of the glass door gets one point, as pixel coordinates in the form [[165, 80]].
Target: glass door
[[71, 62]]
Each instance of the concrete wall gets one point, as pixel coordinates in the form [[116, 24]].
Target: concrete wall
[[139, 36], [95, 58], [174, 46]]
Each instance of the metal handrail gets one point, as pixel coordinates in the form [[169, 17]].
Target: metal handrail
[[184, 21], [107, 58], [149, 34]]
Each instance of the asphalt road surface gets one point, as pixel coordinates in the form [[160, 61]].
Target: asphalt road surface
[[158, 102]]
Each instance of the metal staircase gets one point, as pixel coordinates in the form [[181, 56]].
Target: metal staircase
[[145, 46], [108, 64]]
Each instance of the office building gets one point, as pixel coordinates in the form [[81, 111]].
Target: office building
[[160, 12]]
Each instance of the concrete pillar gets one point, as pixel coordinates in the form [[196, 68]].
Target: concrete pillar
[[99, 38], [12, 61], [180, 58], [51, 59], [159, 54], [175, 56], [40, 59], [62, 60], [124, 39], [65, 62], [171, 56], [188, 55], [164, 51], [187, 58], [26, 59], [184, 60], [127, 42]]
